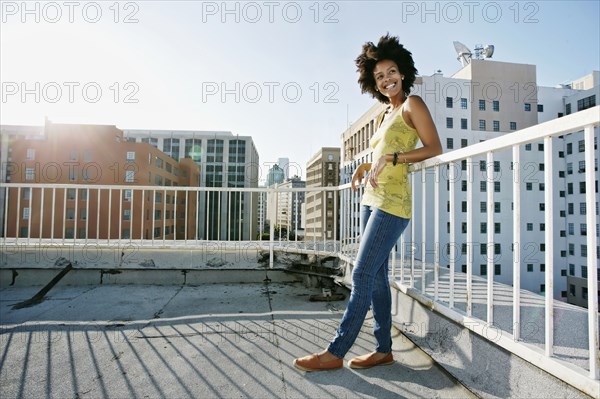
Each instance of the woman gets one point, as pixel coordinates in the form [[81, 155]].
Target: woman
[[387, 72]]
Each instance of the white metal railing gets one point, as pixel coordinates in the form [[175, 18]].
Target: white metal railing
[[165, 217], [583, 122]]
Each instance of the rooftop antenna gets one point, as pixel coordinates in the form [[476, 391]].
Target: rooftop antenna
[[463, 52], [483, 52], [465, 56]]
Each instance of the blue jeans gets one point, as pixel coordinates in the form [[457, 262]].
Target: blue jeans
[[370, 283]]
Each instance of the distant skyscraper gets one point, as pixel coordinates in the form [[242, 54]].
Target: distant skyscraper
[[275, 175]]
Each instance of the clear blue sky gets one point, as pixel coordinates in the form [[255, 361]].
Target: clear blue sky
[[290, 64]]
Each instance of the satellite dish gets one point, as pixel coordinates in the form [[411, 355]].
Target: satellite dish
[[488, 51], [464, 54]]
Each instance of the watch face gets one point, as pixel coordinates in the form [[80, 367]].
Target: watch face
[[330, 157]]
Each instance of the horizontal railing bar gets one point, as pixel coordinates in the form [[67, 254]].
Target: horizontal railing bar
[[567, 124], [177, 188]]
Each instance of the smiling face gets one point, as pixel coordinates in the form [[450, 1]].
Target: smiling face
[[388, 78]]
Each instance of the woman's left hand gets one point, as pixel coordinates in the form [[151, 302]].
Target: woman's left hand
[[376, 168]]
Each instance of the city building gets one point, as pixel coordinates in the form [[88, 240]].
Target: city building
[[275, 175], [321, 208], [483, 100], [95, 155], [225, 161], [289, 209]]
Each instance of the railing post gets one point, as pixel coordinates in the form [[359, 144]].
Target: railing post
[[491, 208], [272, 214], [549, 237], [451, 221], [592, 255], [516, 157]]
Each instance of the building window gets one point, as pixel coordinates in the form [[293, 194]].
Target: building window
[[30, 154], [584, 292], [527, 107], [583, 250], [83, 214], [73, 155], [542, 288], [463, 103], [483, 186], [568, 109], [483, 227], [483, 207], [464, 143], [583, 271], [159, 163], [542, 207], [571, 228], [449, 123], [482, 124], [497, 269], [582, 187], [448, 102], [130, 156], [25, 213], [529, 226], [586, 103], [26, 193], [129, 176], [497, 208], [483, 270], [496, 186], [496, 126], [463, 123], [29, 174], [496, 166], [496, 105], [542, 187], [542, 226], [540, 107], [582, 208], [463, 185], [572, 289], [450, 143], [581, 144], [583, 229], [482, 105], [513, 125], [497, 228], [530, 267]]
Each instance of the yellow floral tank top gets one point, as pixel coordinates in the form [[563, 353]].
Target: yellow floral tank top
[[393, 194]]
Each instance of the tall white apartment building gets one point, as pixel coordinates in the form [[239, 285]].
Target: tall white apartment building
[[483, 100], [225, 160]]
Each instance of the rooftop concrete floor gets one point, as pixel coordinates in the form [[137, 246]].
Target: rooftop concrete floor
[[204, 341]]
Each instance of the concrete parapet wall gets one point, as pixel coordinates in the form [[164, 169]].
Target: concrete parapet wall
[[482, 366], [39, 277]]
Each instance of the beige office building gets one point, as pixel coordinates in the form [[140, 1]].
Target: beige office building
[[322, 170]]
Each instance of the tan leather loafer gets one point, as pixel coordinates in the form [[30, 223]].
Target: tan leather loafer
[[368, 361], [314, 363]]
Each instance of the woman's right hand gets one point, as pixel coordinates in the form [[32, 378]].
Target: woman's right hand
[[359, 175]]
